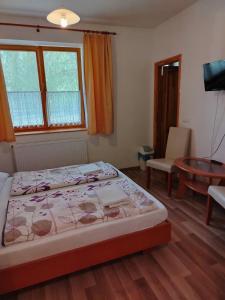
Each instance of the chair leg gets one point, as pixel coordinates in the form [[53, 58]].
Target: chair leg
[[209, 209], [148, 177], [169, 184]]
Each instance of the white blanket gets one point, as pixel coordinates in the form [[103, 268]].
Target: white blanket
[[112, 196], [89, 169]]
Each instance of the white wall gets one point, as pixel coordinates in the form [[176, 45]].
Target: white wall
[[131, 62], [198, 34]]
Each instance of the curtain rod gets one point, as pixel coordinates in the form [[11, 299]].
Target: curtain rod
[[38, 27]]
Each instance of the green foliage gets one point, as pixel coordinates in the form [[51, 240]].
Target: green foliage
[[21, 74], [20, 71], [61, 71]]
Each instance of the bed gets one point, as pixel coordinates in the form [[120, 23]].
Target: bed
[[91, 236]]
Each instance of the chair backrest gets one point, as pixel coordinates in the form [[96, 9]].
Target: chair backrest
[[178, 142]]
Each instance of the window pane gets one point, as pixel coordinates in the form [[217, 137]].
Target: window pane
[[22, 84], [64, 108], [25, 108], [61, 71], [63, 95]]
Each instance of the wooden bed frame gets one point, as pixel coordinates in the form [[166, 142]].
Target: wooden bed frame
[[43, 269]]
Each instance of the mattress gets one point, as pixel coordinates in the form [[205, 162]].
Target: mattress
[[72, 239]]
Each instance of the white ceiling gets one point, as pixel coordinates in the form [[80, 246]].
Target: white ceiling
[[137, 13]]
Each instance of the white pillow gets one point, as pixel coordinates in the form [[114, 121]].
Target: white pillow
[[3, 177]]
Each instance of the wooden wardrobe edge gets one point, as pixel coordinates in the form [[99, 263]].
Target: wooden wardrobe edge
[[53, 266]]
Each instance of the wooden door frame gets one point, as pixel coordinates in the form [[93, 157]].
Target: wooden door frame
[[170, 60]]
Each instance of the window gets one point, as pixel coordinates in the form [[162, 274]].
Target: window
[[44, 86]]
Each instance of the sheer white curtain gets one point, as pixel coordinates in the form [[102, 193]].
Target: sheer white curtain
[[26, 108], [64, 108]]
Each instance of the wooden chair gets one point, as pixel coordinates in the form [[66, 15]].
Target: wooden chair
[[177, 146], [216, 193]]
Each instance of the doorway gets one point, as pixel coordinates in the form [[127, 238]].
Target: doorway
[[166, 101]]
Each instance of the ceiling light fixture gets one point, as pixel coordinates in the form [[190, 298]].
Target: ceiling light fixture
[[63, 17]]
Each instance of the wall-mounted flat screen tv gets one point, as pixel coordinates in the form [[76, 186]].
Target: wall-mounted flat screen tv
[[214, 76]]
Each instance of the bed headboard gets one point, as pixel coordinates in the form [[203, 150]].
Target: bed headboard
[[50, 154]]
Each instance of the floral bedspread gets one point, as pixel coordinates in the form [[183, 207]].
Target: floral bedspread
[[35, 216], [37, 181]]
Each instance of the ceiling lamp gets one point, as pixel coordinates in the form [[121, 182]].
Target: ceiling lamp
[[63, 17]]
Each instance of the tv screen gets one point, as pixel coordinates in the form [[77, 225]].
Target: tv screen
[[214, 76]]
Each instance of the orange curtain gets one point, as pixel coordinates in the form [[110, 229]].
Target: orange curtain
[[98, 82], [6, 126]]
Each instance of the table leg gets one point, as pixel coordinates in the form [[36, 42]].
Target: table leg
[[182, 187], [194, 179], [169, 183], [209, 209], [148, 183]]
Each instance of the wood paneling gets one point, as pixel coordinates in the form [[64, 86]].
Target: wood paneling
[[191, 267]]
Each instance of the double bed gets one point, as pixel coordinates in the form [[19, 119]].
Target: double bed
[[53, 223]]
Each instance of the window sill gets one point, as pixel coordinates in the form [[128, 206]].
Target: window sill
[[50, 131]]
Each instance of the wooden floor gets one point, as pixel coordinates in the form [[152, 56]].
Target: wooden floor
[[191, 267]]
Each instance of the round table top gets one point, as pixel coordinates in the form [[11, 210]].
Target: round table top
[[201, 167]]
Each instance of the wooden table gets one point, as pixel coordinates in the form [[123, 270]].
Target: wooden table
[[190, 167]]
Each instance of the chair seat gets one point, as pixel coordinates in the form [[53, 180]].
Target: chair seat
[[162, 164], [218, 194]]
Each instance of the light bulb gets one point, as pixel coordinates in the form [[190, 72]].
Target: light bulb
[[63, 22]]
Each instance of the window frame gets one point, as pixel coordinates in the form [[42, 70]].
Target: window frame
[[43, 87]]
